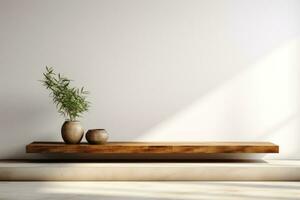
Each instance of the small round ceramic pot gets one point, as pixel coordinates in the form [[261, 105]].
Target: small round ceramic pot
[[72, 132], [96, 136]]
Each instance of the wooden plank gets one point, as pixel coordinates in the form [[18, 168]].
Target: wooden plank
[[154, 147]]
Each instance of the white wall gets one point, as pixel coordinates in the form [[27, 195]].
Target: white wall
[[156, 69]]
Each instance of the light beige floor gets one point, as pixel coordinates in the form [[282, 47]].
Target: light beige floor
[[182, 190]]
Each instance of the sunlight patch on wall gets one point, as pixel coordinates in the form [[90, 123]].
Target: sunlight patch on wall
[[261, 103]]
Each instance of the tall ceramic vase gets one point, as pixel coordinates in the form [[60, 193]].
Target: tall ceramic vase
[[72, 132]]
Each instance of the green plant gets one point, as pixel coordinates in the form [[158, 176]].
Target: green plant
[[70, 101]]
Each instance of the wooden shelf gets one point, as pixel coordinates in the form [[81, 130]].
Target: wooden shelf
[[154, 147]]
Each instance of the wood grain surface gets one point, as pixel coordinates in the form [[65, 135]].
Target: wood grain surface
[[154, 147]]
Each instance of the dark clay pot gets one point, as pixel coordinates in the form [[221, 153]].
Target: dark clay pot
[[72, 132], [96, 136]]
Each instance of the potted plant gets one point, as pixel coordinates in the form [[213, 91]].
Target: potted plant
[[71, 103]]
